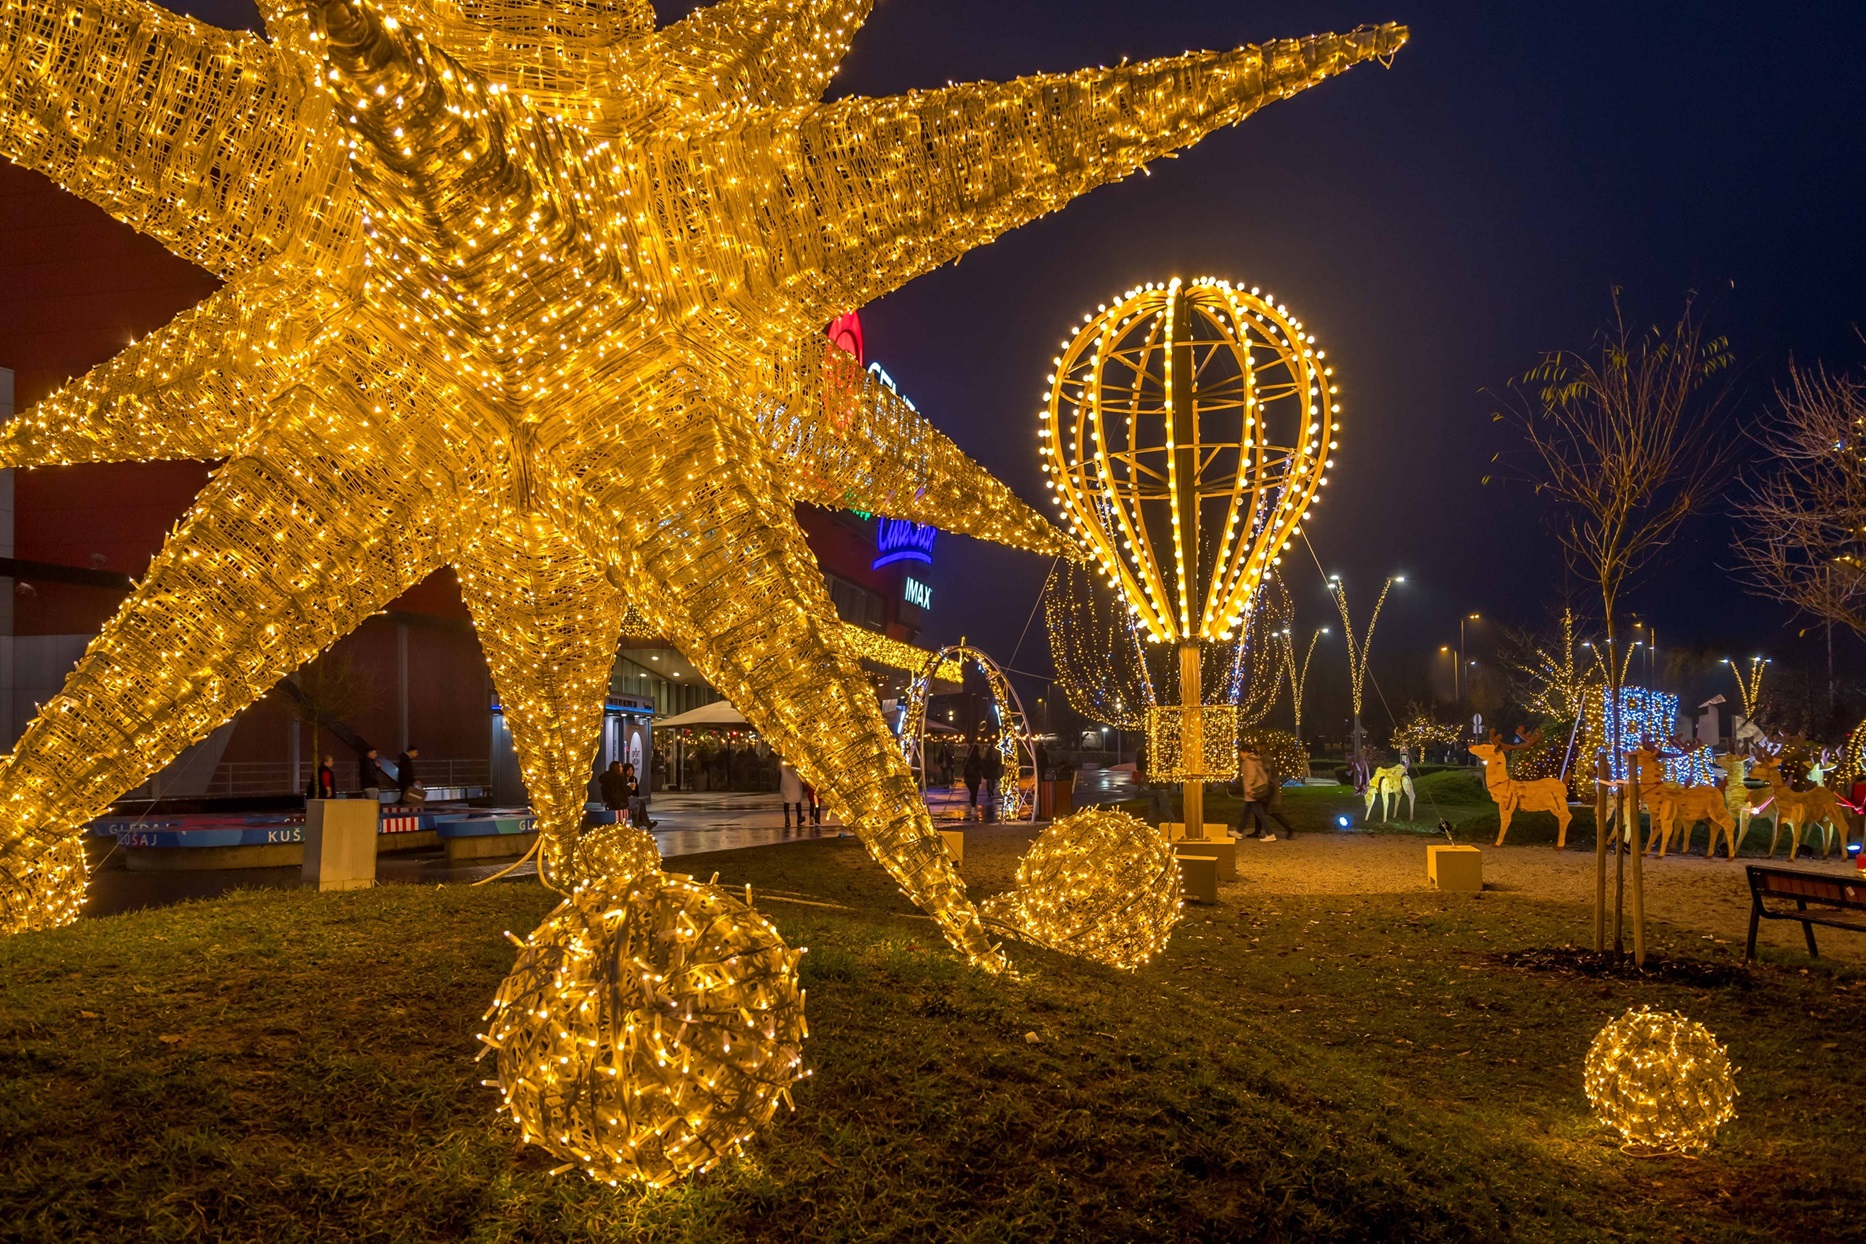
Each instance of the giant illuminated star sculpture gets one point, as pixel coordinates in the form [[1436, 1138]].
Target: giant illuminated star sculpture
[[535, 292]]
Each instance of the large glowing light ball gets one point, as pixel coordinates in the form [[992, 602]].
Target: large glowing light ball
[[1100, 884], [617, 854], [648, 1030], [1660, 1080]]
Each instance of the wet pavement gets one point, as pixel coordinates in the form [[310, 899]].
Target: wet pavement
[[686, 823]]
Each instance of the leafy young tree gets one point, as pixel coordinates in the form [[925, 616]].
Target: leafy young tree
[[1625, 446]]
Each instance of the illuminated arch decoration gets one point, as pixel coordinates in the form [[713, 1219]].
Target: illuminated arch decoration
[[1011, 728]]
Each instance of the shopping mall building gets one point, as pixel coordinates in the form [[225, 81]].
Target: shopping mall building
[[75, 287]]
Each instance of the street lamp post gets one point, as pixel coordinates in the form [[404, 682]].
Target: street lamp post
[[1357, 667]]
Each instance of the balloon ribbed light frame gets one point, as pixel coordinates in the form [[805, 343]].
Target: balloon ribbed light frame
[[1186, 431], [536, 292]]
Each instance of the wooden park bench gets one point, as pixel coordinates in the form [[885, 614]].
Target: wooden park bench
[[1843, 895]]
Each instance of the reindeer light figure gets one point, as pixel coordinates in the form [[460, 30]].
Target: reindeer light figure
[[1735, 798], [1676, 809], [1797, 811], [1390, 782], [1511, 796]]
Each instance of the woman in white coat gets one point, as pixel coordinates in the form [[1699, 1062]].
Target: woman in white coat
[[790, 790]]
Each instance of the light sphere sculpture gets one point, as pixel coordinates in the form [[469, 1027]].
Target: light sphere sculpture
[[617, 854], [647, 1030], [1660, 1080], [535, 292], [1187, 429], [1099, 884]]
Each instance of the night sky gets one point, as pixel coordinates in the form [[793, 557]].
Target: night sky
[[1436, 224]]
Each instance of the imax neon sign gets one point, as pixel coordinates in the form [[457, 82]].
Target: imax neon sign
[[902, 541], [917, 593]]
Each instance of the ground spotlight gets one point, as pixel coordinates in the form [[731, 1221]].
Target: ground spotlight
[[1342, 821]]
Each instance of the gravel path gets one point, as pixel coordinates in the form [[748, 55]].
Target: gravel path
[[1708, 895]]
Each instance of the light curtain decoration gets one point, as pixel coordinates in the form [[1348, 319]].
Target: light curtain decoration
[[537, 292]]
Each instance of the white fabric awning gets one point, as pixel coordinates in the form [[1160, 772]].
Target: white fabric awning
[[718, 713]]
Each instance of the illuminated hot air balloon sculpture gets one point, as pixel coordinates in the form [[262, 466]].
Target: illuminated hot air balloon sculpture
[[1187, 429]]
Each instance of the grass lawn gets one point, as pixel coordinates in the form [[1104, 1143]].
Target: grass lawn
[[288, 1065]]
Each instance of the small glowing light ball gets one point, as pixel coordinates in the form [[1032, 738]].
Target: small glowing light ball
[[43, 887], [1660, 1080], [648, 1030], [1099, 884], [616, 854]]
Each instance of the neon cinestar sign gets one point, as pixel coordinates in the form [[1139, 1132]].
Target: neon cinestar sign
[[902, 541]]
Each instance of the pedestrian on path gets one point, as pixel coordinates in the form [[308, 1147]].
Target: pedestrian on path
[[974, 773], [994, 774], [369, 775], [790, 790], [326, 787], [408, 788], [1255, 781]]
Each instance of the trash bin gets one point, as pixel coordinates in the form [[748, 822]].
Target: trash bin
[[1055, 798]]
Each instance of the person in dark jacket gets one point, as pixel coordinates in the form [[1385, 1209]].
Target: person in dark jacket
[[637, 803], [369, 775], [994, 775], [613, 788], [974, 773], [408, 788], [326, 786]]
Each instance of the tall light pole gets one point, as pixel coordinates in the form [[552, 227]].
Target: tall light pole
[[1357, 666], [1749, 689], [1298, 682]]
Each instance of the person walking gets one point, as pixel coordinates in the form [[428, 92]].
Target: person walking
[[945, 765], [613, 788], [408, 788], [369, 775], [994, 775], [1254, 779], [1275, 804], [974, 773], [790, 790], [816, 807], [326, 787]]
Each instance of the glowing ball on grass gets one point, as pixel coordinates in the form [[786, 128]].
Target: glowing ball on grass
[[648, 1030], [1660, 1080], [617, 854], [1099, 884]]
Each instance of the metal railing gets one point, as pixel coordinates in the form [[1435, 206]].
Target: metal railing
[[239, 778]]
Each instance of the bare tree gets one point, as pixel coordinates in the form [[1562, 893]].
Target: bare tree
[[1802, 533], [1626, 450], [329, 692]]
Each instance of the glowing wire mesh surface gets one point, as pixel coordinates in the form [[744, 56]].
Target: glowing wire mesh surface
[[538, 293]]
